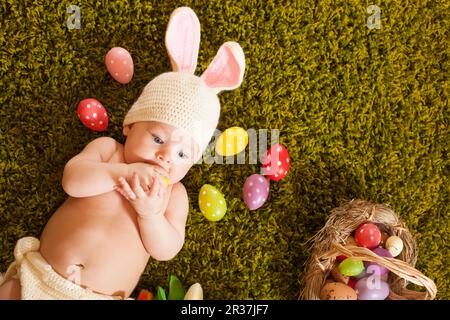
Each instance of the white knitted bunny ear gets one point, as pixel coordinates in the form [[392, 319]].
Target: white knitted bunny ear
[[226, 71], [183, 40]]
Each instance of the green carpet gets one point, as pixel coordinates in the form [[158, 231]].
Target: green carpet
[[364, 114]]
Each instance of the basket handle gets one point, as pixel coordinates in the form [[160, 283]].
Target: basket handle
[[396, 266]]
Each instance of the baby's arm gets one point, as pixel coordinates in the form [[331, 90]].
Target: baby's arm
[[163, 234], [88, 173]]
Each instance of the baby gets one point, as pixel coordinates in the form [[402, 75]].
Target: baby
[[126, 202]]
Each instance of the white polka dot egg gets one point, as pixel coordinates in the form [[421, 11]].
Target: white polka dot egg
[[212, 203], [232, 141], [92, 114], [276, 162], [119, 64], [255, 191]]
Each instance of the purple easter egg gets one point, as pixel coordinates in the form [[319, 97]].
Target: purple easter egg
[[255, 191], [372, 288], [375, 268]]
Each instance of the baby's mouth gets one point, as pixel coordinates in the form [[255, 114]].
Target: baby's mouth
[[164, 170]]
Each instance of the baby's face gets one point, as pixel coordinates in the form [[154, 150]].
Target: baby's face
[[162, 144]]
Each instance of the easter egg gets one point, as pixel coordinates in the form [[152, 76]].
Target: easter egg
[[352, 282], [337, 291], [119, 64], [373, 271], [368, 236], [255, 191], [384, 237], [338, 276], [92, 114], [232, 141], [276, 162], [372, 288], [375, 268], [362, 275], [351, 267], [212, 203], [350, 241], [145, 295], [394, 245], [195, 292]]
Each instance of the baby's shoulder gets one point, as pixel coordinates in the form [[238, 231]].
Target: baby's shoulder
[[105, 142], [179, 191], [109, 141], [107, 147]]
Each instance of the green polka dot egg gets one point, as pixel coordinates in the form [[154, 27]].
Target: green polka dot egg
[[212, 203]]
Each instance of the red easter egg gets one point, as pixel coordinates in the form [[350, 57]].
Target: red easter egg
[[276, 162], [119, 64], [341, 258], [352, 282], [145, 295], [93, 114], [368, 235]]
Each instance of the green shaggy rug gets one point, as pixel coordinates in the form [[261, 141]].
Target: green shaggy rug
[[363, 112]]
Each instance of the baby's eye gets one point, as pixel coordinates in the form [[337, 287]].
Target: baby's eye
[[157, 139], [182, 154]]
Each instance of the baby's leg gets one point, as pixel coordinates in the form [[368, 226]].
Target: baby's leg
[[10, 290]]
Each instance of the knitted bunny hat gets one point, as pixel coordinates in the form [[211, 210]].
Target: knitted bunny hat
[[180, 98]]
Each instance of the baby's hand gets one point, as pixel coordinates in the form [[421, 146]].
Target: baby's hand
[[146, 203], [145, 172]]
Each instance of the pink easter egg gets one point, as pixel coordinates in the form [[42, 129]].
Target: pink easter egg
[[119, 64], [93, 114], [255, 191]]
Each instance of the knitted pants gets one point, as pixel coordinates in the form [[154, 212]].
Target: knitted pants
[[39, 281]]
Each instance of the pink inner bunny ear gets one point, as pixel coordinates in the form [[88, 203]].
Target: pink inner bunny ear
[[183, 40], [227, 69]]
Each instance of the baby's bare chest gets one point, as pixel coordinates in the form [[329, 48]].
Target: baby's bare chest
[[96, 233], [94, 222]]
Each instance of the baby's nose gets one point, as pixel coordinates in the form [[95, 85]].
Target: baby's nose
[[165, 157]]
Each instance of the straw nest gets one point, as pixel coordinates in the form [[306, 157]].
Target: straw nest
[[329, 242]]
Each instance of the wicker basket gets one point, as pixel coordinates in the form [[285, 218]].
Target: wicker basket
[[327, 244]]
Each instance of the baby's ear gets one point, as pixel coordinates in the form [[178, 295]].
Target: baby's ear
[[126, 130], [183, 40], [226, 70]]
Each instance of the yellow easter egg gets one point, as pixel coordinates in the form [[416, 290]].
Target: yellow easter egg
[[232, 141], [212, 203], [195, 292]]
